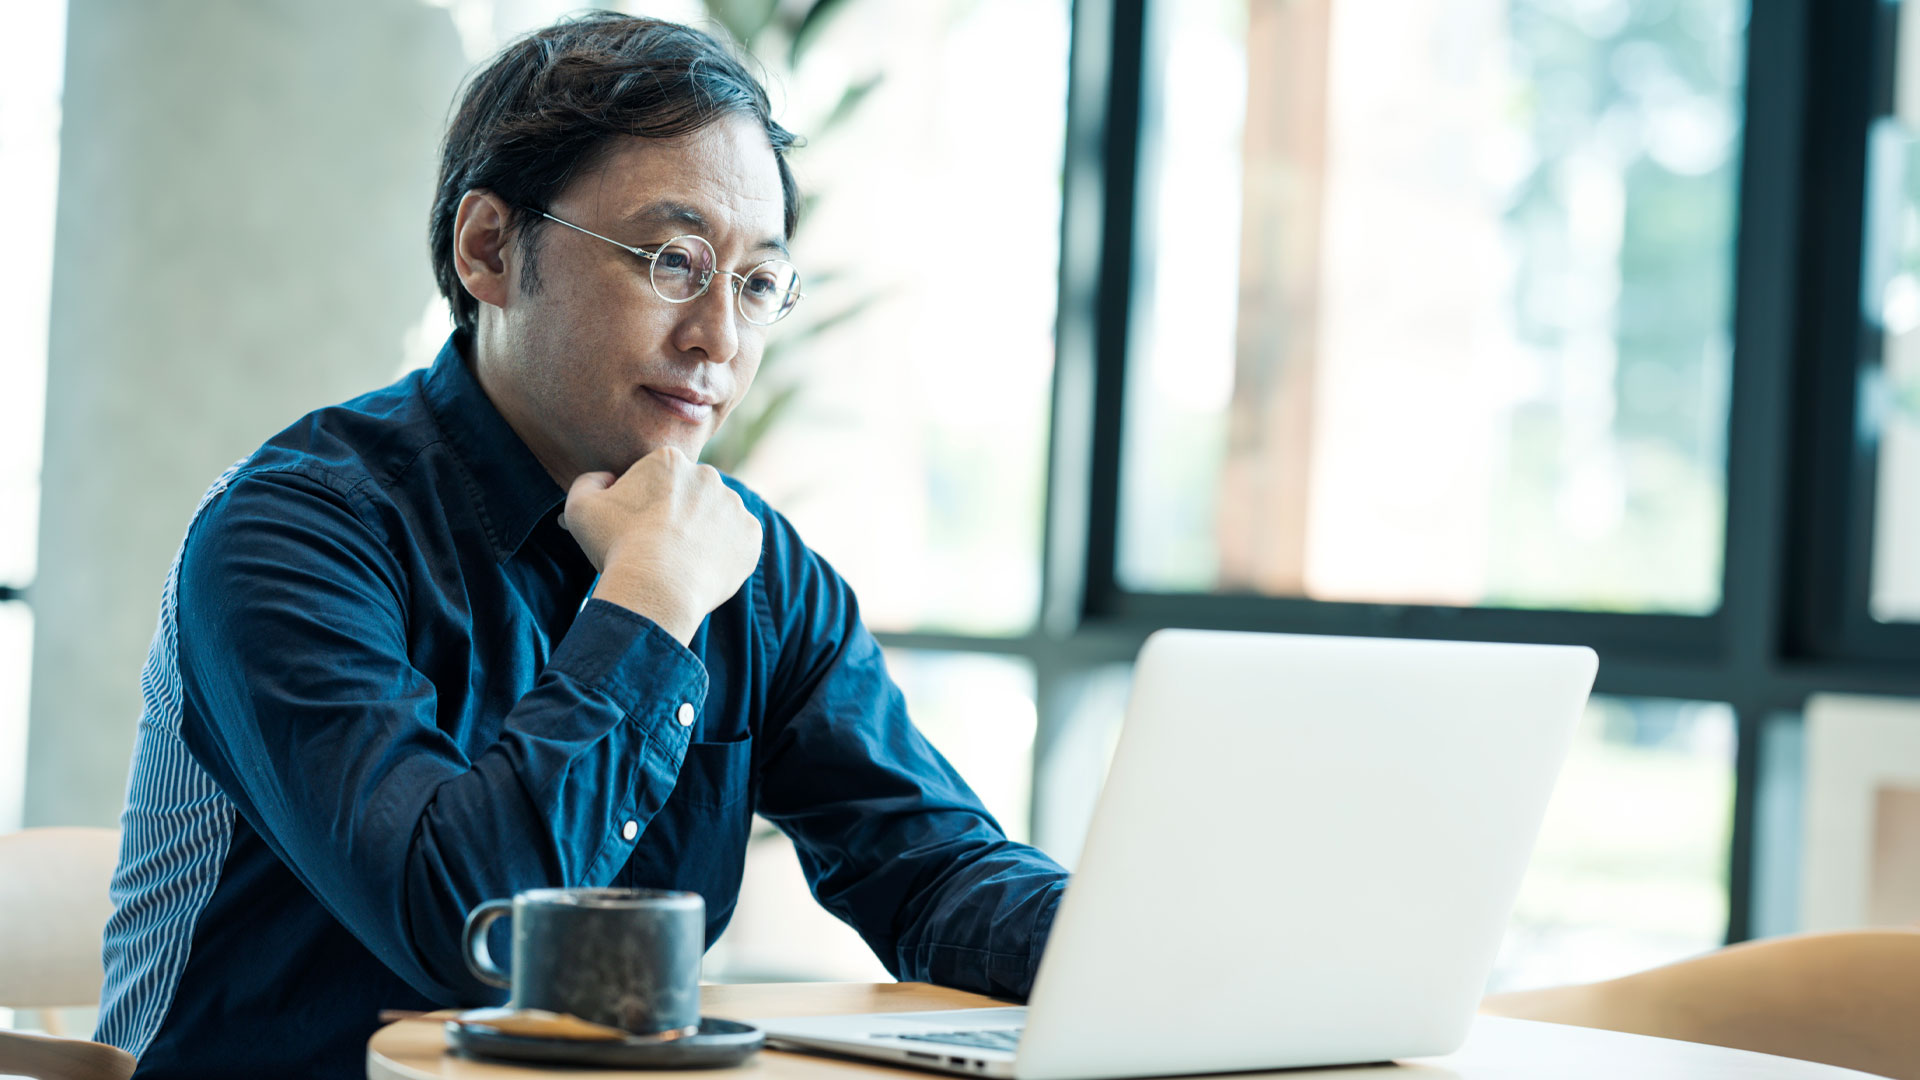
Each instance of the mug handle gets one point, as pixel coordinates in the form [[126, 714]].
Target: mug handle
[[474, 943]]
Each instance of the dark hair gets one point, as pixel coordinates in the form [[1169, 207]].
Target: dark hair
[[546, 109]]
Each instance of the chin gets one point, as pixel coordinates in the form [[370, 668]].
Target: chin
[[689, 445]]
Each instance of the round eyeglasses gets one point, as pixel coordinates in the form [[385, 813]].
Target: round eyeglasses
[[681, 270]]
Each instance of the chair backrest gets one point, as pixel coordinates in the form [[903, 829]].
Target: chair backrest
[[53, 907], [47, 1058]]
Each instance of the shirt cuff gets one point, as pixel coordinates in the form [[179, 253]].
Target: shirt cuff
[[1042, 930], [629, 657]]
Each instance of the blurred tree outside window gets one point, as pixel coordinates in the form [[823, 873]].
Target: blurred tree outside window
[[900, 418], [1434, 303], [1630, 871], [1890, 294]]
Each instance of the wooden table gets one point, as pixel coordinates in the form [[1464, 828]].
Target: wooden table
[[1498, 1049]]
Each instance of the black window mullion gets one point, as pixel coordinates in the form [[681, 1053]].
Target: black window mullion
[[1114, 301], [1833, 471], [1771, 544], [1102, 137]]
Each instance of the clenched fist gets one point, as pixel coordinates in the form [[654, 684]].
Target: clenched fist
[[671, 541]]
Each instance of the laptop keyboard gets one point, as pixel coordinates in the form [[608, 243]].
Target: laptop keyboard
[[990, 1039]]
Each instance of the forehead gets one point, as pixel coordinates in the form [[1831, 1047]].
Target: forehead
[[726, 172]]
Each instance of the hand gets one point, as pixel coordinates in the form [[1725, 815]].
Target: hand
[[670, 539]]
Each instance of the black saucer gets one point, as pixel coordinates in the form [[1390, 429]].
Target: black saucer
[[717, 1044]]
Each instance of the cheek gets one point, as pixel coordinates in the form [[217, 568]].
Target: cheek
[[745, 367]]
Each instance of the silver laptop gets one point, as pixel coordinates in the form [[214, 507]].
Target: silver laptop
[[1305, 854]]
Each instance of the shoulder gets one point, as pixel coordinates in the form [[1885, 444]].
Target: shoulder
[[338, 461], [774, 525], [786, 562], [804, 602]]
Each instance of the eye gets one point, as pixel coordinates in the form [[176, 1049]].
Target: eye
[[763, 284], [674, 259]]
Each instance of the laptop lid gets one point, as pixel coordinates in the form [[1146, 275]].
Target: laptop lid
[[1305, 853]]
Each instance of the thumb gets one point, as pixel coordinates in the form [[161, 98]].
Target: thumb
[[586, 483]]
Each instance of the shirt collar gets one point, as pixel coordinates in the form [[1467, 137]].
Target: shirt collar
[[510, 488]]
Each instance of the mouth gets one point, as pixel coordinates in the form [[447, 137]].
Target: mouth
[[688, 405]]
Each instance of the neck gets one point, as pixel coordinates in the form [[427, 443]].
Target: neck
[[493, 370]]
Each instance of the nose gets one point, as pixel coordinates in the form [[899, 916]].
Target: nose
[[712, 324]]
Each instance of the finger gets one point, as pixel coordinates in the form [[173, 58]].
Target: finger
[[589, 482]]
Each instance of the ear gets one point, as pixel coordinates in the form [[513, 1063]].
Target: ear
[[482, 234]]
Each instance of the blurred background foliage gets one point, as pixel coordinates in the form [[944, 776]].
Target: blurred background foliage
[[779, 35]]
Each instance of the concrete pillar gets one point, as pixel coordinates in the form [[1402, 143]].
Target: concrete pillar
[[241, 238]]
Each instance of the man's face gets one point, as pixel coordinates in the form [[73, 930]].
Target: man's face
[[591, 366]]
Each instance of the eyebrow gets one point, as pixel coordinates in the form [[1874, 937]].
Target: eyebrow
[[668, 212]]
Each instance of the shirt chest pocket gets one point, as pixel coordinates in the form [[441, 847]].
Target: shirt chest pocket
[[715, 775]]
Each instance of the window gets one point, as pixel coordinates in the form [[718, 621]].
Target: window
[[1434, 303], [1538, 320], [912, 450], [1890, 301], [29, 167], [1630, 871]]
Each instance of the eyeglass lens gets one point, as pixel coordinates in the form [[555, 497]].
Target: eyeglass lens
[[683, 266]]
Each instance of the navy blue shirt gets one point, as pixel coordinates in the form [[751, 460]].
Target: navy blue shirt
[[379, 694]]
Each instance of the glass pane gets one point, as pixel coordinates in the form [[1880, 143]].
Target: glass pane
[[1890, 299], [912, 383], [29, 170], [1631, 868], [16, 667], [978, 711], [1479, 346]]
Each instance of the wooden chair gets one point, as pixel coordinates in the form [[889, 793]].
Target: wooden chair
[[53, 906], [1846, 998]]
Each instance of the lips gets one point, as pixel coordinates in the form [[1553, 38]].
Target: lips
[[690, 405]]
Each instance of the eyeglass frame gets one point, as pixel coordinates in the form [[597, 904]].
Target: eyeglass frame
[[706, 282]]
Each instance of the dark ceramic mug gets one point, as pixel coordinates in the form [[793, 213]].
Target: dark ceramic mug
[[628, 958]]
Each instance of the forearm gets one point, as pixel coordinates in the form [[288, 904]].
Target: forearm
[[983, 924]]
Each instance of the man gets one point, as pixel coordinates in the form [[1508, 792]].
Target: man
[[491, 628]]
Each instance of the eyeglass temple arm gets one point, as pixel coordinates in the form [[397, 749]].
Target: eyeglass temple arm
[[648, 255]]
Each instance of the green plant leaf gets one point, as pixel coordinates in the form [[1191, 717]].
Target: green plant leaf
[[745, 20], [811, 24], [736, 442], [828, 322], [849, 102]]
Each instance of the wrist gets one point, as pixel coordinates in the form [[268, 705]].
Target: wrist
[[637, 595]]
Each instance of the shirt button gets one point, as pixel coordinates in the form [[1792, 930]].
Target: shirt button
[[685, 715], [630, 830]]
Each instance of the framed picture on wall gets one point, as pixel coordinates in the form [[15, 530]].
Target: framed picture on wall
[[1862, 843]]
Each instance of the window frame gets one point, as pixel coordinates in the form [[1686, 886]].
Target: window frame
[[1799, 515], [1794, 617]]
